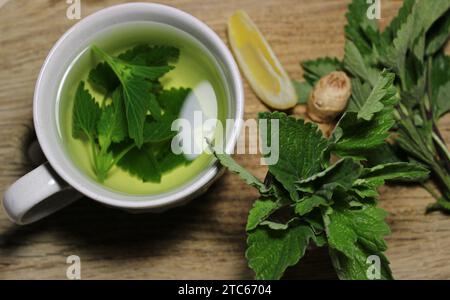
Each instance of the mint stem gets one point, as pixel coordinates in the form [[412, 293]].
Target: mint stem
[[441, 145], [123, 153], [443, 180], [442, 149], [93, 152], [430, 191], [105, 98]]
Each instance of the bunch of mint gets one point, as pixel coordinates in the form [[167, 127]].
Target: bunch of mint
[[306, 198], [412, 47], [131, 126]]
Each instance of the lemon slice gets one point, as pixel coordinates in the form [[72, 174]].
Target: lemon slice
[[259, 64]]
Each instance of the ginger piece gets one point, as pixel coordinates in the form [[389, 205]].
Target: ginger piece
[[329, 97]]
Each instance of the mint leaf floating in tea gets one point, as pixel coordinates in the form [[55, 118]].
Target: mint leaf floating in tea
[[99, 126], [151, 55], [86, 114], [172, 100], [136, 82], [103, 76], [169, 161], [112, 126], [141, 163], [131, 129], [160, 130]]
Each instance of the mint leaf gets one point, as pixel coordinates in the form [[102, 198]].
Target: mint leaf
[[413, 32], [307, 204], [315, 220], [383, 154], [153, 105], [316, 69], [142, 164], [363, 190], [143, 72], [372, 178], [426, 13], [438, 35], [348, 227], [399, 171], [151, 55], [234, 167], [400, 45], [383, 93], [359, 268], [136, 90], [103, 76], [360, 93], [156, 131], [337, 172], [301, 148], [391, 31], [275, 225], [86, 114], [104, 161], [440, 85], [355, 64], [136, 93], [172, 100], [270, 252], [303, 89], [357, 234], [320, 239], [357, 132], [170, 161], [112, 125], [260, 211], [361, 30], [352, 137], [340, 175]]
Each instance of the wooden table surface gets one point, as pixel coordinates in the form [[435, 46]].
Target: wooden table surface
[[206, 238]]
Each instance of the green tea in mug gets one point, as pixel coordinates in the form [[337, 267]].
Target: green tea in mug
[[120, 97]]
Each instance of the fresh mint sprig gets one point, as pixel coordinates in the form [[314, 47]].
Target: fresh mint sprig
[[136, 83], [131, 126], [307, 198]]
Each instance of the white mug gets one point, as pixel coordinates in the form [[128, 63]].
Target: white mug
[[51, 186]]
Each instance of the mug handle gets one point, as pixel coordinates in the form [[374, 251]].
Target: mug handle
[[36, 195]]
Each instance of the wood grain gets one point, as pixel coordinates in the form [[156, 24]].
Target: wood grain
[[205, 239]]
